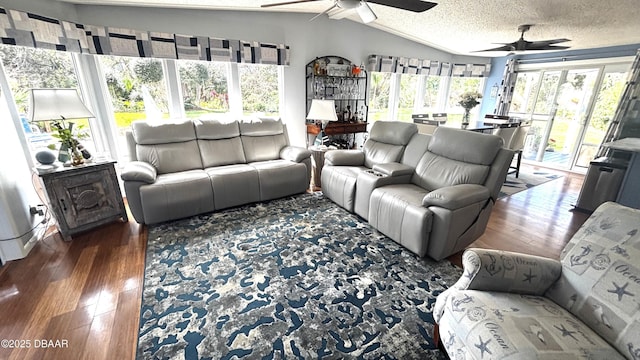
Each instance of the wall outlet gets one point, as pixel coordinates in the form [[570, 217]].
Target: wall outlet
[[36, 210]]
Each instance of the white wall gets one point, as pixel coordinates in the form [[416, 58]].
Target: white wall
[[307, 40], [50, 8]]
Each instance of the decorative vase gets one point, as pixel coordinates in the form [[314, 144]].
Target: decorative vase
[[63, 154], [465, 117]]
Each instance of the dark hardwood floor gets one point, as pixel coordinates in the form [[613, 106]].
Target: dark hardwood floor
[[87, 293]]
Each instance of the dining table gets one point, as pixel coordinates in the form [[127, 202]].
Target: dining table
[[487, 125]]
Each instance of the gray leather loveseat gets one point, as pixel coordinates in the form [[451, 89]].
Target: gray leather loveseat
[[193, 167], [431, 193]]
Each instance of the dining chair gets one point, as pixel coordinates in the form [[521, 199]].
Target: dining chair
[[517, 145], [506, 133]]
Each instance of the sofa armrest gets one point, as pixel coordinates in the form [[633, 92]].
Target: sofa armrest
[[456, 196], [294, 153], [344, 158], [497, 270], [139, 171], [393, 169], [502, 271]]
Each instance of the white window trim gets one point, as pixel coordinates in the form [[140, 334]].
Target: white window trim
[[174, 89]]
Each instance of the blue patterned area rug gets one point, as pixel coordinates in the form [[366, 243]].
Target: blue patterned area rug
[[297, 278], [525, 181]]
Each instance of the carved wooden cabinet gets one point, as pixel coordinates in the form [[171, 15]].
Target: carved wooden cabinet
[[84, 197]]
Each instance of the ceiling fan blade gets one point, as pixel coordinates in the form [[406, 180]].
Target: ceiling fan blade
[[409, 5], [366, 14], [286, 3], [506, 47], [535, 46], [552, 41], [324, 12]]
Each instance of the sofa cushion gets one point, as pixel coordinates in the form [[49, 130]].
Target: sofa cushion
[[151, 133], [435, 171], [215, 129], [262, 127], [600, 280], [397, 211], [176, 195], [221, 152], [219, 143], [387, 141], [171, 157], [280, 178], [463, 145], [234, 185], [415, 149], [262, 140], [393, 132], [497, 325], [380, 153], [169, 147], [339, 184]]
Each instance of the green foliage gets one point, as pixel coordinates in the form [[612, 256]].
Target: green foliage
[[259, 88], [126, 78], [148, 72], [68, 133], [407, 91], [204, 85], [379, 90], [36, 68]]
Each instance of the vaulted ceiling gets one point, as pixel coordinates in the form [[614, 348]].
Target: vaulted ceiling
[[463, 26]]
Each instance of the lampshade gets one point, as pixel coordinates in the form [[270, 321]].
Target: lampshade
[[324, 110], [56, 104]]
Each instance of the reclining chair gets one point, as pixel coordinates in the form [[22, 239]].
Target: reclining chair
[[385, 144], [432, 194]]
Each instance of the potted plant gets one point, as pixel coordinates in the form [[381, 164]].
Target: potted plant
[[70, 148], [468, 100]]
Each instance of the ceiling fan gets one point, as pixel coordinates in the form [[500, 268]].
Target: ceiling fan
[[342, 8], [524, 45]]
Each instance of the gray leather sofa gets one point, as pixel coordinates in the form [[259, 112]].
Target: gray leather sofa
[[431, 193], [193, 167]]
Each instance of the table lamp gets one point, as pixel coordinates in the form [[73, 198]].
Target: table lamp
[[325, 111], [57, 106]]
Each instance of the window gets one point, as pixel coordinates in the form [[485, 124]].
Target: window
[[204, 88], [137, 89], [259, 89], [28, 68], [430, 92], [458, 86], [570, 108], [430, 103], [524, 92], [379, 96], [408, 89]]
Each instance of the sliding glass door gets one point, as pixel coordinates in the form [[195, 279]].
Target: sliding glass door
[[606, 100], [569, 110]]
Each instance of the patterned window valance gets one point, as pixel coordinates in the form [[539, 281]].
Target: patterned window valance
[[403, 65], [27, 29]]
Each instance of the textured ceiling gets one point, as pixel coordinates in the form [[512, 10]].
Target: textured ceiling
[[463, 26]]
